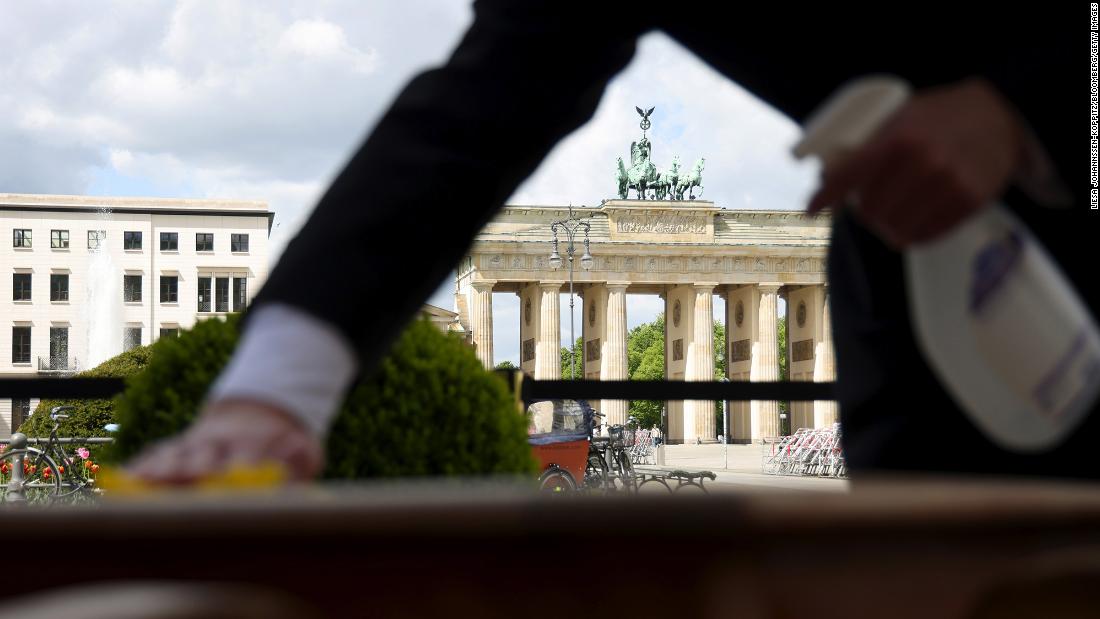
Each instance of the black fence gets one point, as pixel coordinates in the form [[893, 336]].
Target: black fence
[[529, 390]]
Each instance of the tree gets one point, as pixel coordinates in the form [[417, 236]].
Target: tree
[[505, 365], [89, 416], [566, 373], [784, 405], [719, 368], [645, 351]]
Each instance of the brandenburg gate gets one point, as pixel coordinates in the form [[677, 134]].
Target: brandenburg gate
[[685, 250]]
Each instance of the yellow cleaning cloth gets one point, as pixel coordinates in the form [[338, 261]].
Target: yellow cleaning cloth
[[118, 482]]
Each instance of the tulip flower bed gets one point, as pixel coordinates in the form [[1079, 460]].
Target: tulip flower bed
[[40, 477]]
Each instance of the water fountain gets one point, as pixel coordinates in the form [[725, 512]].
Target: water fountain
[[103, 307]]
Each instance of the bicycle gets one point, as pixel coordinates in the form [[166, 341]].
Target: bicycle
[[33, 475], [609, 468]]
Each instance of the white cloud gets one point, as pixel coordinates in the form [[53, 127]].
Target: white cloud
[[320, 39], [237, 99]]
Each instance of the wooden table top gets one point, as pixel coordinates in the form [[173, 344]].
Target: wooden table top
[[915, 546]]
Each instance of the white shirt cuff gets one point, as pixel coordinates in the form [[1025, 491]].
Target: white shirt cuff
[[292, 360]]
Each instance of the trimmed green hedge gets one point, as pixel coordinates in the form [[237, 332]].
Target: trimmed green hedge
[[429, 409], [90, 415], [164, 398]]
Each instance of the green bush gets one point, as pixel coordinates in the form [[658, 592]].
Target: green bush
[[90, 415], [164, 398], [429, 409]]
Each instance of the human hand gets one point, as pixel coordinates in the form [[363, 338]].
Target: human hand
[[229, 433], [948, 152]]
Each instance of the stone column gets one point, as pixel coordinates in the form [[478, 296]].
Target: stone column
[[548, 347], [700, 366], [613, 362], [481, 321], [825, 412], [765, 363]]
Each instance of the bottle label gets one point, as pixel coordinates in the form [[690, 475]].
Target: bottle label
[[1006, 333]]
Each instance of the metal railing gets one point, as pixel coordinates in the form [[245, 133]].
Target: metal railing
[[734, 391], [87, 440], [528, 390], [58, 363], [69, 388], [524, 390]]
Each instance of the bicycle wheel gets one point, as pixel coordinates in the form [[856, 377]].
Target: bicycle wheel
[[595, 474], [557, 482], [625, 471], [41, 477]]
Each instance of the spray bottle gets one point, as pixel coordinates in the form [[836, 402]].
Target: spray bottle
[[1000, 325]]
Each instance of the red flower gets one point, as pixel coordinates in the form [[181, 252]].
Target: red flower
[[95, 469], [88, 464], [60, 469], [46, 473]]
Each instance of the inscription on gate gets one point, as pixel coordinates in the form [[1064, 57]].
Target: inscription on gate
[[528, 350], [592, 350], [802, 350], [661, 223], [741, 350], [678, 349]]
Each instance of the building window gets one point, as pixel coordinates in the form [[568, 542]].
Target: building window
[[240, 292], [59, 348], [131, 240], [221, 294], [131, 338], [96, 238], [131, 288], [204, 241], [169, 241], [238, 242], [165, 332], [204, 294], [59, 239], [59, 287], [20, 344], [21, 237], [21, 287], [169, 288], [20, 410]]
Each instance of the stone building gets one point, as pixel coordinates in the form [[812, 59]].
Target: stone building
[[84, 278], [687, 251]]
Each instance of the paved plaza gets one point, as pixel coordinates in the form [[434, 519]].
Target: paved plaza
[[739, 466]]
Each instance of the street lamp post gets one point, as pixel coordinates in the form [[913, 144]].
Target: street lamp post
[[570, 226]]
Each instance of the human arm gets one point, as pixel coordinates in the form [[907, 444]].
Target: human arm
[[455, 144], [273, 402]]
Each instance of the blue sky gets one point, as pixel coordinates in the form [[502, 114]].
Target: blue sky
[[231, 99]]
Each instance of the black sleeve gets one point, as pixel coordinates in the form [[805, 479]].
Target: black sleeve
[[453, 147], [1041, 67]]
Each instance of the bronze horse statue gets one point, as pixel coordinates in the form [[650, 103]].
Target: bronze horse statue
[[642, 174]]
